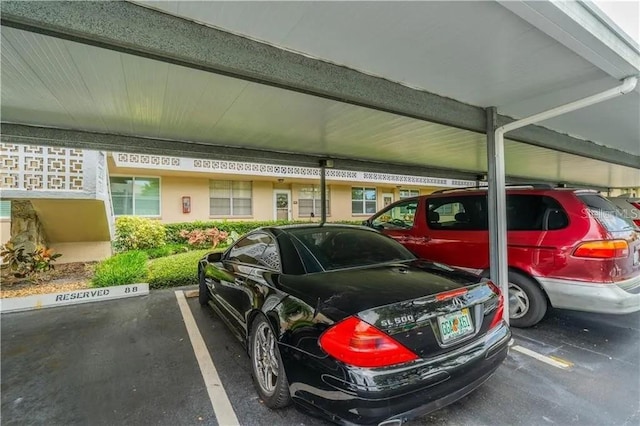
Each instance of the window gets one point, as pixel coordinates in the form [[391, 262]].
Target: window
[[606, 213], [230, 198], [399, 216], [135, 196], [249, 249], [458, 213], [270, 257], [338, 248], [534, 213], [408, 193], [524, 213], [309, 203], [5, 209], [363, 200]]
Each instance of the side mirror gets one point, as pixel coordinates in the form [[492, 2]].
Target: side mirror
[[366, 222], [214, 257]]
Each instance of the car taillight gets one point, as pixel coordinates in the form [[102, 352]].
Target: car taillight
[[451, 294], [357, 343], [607, 249], [497, 318]]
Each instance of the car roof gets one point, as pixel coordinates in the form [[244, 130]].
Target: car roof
[[509, 189], [296, 226]]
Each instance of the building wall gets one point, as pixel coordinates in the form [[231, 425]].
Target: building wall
[[5, 230], [173, 188], [89, 251]]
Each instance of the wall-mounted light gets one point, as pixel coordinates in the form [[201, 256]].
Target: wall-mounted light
[[280, 180]]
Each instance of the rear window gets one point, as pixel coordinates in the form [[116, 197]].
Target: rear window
[[339, 248], [606, 213]]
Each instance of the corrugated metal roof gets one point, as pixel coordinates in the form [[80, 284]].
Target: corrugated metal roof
[[58, 83]]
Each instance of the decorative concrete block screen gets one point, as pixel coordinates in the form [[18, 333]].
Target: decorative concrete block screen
[[30, 167]]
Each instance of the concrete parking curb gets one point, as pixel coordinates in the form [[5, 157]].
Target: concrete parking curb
[[40, 301]]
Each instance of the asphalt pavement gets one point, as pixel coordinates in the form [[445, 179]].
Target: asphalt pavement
[[130, 362]]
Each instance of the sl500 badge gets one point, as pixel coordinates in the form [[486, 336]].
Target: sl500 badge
[[394, 322]]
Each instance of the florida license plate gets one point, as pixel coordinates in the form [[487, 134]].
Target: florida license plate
[[455, 324]]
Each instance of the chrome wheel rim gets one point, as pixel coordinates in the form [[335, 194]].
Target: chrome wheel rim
[[265, 360], [518, 302]]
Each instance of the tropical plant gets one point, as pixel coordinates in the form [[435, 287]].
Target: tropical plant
[[27, 259], [205, 238]]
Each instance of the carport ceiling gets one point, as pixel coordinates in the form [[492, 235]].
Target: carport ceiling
[[438, 47]]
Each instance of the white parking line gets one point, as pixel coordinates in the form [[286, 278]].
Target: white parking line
[[219, 400], [556, 362]]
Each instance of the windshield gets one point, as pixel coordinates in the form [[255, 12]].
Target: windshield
[[606, 213], [339, 248]]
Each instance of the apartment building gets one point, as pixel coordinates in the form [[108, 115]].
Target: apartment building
[[75, 195]]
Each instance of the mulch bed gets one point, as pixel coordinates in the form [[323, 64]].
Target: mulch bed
[[65, 277]]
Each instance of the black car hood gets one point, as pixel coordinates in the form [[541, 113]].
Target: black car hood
[[341, 293]]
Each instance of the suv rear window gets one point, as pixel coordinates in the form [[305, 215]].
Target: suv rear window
[[606, 213]]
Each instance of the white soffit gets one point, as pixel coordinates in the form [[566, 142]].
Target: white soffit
[[477, 52], [58, 83]]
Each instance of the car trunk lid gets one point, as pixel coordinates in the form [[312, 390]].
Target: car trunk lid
[[428, 307]]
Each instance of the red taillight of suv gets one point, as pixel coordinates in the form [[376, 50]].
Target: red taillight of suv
[[606, 249], [357, 343], [497, 318]]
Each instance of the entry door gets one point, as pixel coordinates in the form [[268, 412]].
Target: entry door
[[387, 199], [282, 204]]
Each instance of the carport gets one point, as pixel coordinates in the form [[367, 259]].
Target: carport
[[420, 88]]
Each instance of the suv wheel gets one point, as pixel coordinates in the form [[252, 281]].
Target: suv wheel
[[527, 303]]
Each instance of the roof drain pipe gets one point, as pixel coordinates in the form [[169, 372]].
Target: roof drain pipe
[[496, 176]]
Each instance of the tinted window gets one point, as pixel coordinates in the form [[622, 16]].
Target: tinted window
[[398, 217], [458, 213], [606, 213], [534, 213], [270, 258], [337, 248], [249, 249]]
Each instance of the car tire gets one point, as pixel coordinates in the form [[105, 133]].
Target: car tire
[[527, 302], [272, 389], [203, 291]]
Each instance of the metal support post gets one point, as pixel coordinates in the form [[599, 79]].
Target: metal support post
[[496, 202], [499, 269], [323, 191]]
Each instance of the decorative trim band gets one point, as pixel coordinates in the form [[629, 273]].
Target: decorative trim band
[[161, 162]]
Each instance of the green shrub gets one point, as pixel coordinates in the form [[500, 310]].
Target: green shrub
[[175, 271], [123, 268], [166, 250], [138, 233]]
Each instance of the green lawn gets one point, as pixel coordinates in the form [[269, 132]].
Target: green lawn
[[175, 271], [134, 267]]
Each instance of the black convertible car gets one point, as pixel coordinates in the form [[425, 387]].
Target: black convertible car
[[349, 325]]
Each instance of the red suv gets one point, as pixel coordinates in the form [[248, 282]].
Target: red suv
[[567, 248]]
